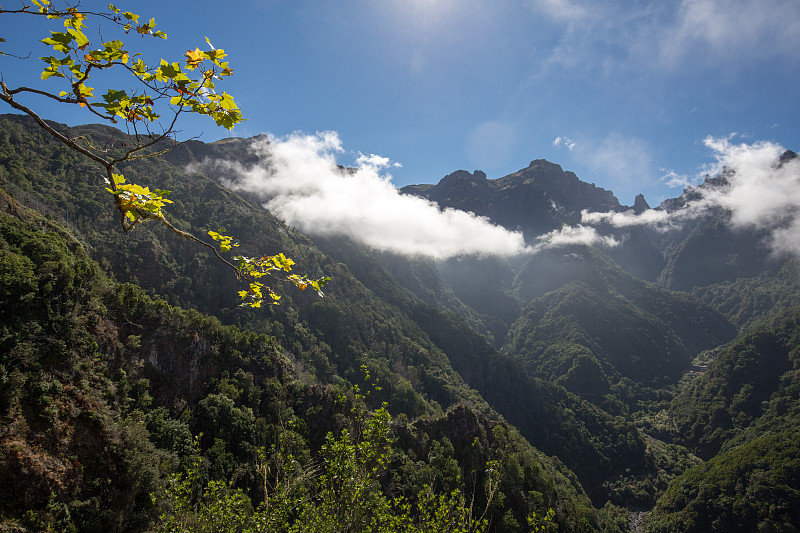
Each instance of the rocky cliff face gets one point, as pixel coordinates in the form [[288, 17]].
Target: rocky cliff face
[[465, 191], [536, 199]]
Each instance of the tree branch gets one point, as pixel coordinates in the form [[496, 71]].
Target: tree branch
[[7, 96], [62, 100]]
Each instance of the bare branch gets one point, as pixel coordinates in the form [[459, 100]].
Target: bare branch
[[63, 100], [7, 97], [129, 155], [189, 236], [40, 92]]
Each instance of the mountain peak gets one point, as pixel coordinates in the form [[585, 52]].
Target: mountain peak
[[786, 156], [460, 190], [546, 165], [535, 199], [640, 204], [478, 177]]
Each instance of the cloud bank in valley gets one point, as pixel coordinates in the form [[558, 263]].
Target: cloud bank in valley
[[759, 192], [571, 235], [299, 181]]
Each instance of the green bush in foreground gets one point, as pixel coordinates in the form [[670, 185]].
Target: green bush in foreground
[[344, 495]]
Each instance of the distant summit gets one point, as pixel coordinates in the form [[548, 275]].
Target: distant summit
[[462, 190], [640, 204], [787, 156], [536, 199]]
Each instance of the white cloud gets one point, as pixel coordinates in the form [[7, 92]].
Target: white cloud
[[373, 160], [564, 141], [675, 180], [657, 219], [731, 30], [785, 239], [605, 36], [759, 193], [299, 181], [570, 235]]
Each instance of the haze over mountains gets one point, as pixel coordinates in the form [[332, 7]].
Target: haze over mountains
[[549, 206], [612, 358], [729, 227]]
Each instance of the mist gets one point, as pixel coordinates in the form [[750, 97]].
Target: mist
[[299, 180], [758, 192], [570, 235]]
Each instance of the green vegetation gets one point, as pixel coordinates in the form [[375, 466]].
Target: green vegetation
[[747, 301], [112, 393], [149, 109], [345, 493], [741, 414], [751, 380], [753, 487], [608, 325], [105, 390], [126, 412], [426, 360]]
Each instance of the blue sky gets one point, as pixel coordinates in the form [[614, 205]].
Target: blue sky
[[621, 93]]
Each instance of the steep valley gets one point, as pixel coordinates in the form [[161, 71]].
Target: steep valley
[[655, 379]]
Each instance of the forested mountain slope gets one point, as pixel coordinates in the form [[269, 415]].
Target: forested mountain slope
[[748, 301], [103, 389], [330, 339], [603, 324], [568, 352], [623, 343], [743, 414], [751, 382]]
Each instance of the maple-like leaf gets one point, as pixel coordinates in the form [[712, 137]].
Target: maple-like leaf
[[194, 57]]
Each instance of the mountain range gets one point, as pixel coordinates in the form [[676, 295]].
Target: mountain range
[[607, 381]]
